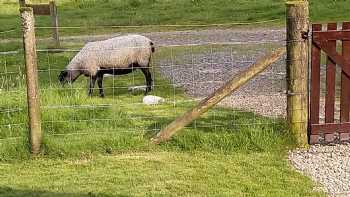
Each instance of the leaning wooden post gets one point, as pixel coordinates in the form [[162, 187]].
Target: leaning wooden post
[[33, 98], [217, 96], [297, 69], [54, 21]]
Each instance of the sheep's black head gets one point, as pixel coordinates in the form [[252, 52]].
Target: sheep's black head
[[63, 77], [68, 76]]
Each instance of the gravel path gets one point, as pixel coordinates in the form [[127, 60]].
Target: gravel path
[[192, 37], [201, 73], [327, 165], [189, 37]]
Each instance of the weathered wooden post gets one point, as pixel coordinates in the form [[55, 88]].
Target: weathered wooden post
[[33, 98], [297, 69], [54, 20]]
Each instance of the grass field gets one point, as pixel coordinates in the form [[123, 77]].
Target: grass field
[[100, 147], [156, 173], [90, 13]]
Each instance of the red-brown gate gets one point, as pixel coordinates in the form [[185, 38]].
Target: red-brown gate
[[332, 94]]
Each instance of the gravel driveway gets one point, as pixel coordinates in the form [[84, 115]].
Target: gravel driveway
[[328, 165], [192, 37], [200, 70], [212, 70]]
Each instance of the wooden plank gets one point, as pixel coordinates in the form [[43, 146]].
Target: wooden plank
[[330, 80], [341, 61], [331, 128], [332, 35], [40, 9], [345, 82], [315, 80]]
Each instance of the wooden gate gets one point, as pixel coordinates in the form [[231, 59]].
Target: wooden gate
[[330, 85]]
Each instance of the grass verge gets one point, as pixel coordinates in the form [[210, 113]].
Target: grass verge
[[156, 174]]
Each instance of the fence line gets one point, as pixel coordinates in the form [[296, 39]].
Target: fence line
[[143, 26], [70, 110], [129, 131], [174, 25]]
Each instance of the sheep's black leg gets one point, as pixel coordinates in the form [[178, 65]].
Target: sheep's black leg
[[100, 84], [91, 84], [148, 77]]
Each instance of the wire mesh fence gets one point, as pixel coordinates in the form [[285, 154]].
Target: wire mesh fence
[[186, 67]]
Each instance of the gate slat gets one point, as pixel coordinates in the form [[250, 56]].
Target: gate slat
[[315, 81], [330, 80], [345, 82], [332, 35], [330, 128]]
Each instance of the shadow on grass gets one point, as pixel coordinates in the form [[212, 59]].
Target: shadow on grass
[[10, 192], [228, 131]]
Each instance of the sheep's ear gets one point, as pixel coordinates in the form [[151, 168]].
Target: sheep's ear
[[62, 76]]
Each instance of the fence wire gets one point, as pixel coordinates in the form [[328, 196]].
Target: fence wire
[[186, 67]]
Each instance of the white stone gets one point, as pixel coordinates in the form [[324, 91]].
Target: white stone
[[152, 100]]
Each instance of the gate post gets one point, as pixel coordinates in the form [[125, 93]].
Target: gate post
[[33, 98], [297, 69]]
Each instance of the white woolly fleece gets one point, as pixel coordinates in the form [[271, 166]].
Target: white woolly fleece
[[118, 52]]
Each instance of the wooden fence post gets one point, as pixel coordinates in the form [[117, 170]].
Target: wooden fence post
[[54, 19], [297, 69], [33, 98]]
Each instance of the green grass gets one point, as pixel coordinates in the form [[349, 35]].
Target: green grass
[[90, 13], [156, 174], [100, 147]]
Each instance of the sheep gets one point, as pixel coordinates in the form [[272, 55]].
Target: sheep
[[117, 56]]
